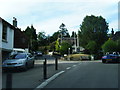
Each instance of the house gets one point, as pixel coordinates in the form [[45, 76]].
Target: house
[[11, 37], [20, 39], [6, 38], [74, 41], [116, 36]]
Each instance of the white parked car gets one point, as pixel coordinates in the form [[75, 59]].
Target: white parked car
[[19, 60]]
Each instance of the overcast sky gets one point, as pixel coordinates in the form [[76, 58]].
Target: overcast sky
[[47, 15]]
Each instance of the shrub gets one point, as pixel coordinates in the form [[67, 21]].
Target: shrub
[[109, 46]]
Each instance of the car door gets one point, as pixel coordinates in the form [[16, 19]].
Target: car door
[[30, 59]]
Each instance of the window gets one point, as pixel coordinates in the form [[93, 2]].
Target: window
[[4, 33]]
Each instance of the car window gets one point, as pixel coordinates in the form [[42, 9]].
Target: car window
[[17, 56], [30, 55]]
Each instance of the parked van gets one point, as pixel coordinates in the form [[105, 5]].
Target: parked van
[[17, 50]]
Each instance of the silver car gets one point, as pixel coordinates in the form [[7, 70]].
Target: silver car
[[20, 60]]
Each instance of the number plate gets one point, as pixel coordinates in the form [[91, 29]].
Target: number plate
[[108, 59]]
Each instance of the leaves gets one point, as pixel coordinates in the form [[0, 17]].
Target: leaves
[[109, 46], [93, 28], [64, 47], [32, 36]]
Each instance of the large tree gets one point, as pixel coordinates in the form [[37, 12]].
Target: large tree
[[54, 37], [31, 34], [63, 30], [42, 39], [93, 28]]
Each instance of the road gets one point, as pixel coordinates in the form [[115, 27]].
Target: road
[[34, 76], [77, 74], [88, 75]]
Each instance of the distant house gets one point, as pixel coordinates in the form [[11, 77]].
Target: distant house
[[116, 36], [74, 41], [6, 37], [11, 37]]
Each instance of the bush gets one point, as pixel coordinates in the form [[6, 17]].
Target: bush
[[109, 46], [91, 46], [64, 48]]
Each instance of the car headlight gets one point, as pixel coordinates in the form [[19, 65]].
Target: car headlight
[[3, 63], [21, 62]]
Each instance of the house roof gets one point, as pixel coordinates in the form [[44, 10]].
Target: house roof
[[116, 35], [18, 35], [11, 26]]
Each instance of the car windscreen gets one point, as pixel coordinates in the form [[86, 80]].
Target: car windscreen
[[18, 56]]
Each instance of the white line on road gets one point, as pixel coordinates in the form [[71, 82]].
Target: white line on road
[[49, 80], [74, 65], [68, 68]]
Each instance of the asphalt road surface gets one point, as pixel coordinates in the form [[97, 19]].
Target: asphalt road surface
[[34, 76], [88, 74], [77, 74]]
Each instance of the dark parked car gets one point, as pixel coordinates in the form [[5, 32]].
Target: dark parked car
[[20, 60], [39, 53], [111, 57]]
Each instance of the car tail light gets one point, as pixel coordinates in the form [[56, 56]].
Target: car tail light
[[104, 57]]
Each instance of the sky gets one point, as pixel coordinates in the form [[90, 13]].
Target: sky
[[48, 15]]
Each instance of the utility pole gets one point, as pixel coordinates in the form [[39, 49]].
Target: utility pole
[[75, 41]]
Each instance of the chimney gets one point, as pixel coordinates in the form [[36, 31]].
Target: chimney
[[14, 22]]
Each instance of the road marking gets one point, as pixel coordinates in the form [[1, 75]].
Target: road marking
[[49, 80], [74, 65], [68, 68]]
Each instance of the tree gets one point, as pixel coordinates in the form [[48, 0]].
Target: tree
[[57, 46], [93, 28], [64, 47], [118, 45], [42, 39], [54, 37], [52, 46], [109, 46], [31, 34], [74, 34], [92, 46], [63, 30], [34, 39]]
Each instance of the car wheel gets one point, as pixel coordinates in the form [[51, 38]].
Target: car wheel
[[32, 66], [26, 67], [103, 61]]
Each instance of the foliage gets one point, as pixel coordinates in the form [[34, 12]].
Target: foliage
[[92, 46], [31, 34], [109, 46], [57, 45], [63, 30], [54, 37], [64, 47], [52, 46], [41, 36], [118, 45], [74, 34], [43, 49], [43, 40], [93, 28]]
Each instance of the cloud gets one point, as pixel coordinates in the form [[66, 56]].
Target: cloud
[[47, 15]]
